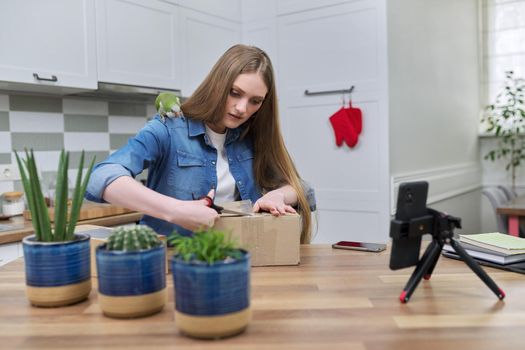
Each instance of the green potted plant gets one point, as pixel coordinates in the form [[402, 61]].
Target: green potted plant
[[211, 278], [506, 120], [131, 269], [56, 259]]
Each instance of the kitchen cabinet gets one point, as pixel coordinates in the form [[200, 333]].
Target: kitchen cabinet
[[50, 43], [227, 9], [332, 48], [293, 6], [138, 43], [204, 39]]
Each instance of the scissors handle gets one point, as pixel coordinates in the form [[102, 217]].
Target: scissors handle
[[212, 205]]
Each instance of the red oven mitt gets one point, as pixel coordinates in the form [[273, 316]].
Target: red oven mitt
[[356, 117], [344, 129]]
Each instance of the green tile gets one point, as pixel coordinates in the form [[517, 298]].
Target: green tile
[[37, 141], [5, 158], [118, 140], [35, 103], [127, 109], [85, 123], [4, 121], [74, 158]]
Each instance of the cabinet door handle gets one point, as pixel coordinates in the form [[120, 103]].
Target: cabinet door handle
[[37, 77]]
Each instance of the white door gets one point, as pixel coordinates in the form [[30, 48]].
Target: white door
[[50, 43], [333, 48], [138, 43], [204, 39]]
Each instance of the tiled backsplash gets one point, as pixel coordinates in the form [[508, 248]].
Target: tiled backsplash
[[50, 124]]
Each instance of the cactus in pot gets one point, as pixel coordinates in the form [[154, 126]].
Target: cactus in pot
[[132, 239], [131, 268]]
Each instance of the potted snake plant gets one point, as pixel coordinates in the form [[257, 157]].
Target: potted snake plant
[[56, 259], [211, 278], [131, 269]]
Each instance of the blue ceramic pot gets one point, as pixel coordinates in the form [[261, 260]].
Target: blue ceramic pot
[[57, 273], [212, 301], [131, 284]]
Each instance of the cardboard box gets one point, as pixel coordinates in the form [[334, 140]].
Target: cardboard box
[[99, 235], [270, 240]]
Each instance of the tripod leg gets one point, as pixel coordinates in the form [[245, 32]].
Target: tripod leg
[[428, 273], [429, 259], [477, 269]]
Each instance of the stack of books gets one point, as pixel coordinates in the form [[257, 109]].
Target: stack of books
[[495, 247]]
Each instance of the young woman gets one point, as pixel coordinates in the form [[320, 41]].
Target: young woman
[[227, 145]]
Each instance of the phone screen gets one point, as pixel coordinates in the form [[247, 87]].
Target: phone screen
[[371, 247]]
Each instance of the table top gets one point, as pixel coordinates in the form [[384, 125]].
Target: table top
[[514, 207], [335, 299]]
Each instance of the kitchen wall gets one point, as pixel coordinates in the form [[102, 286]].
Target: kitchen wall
[[434, 77], [49, 124]]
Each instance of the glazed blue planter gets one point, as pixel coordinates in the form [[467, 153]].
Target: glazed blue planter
[[57, 273], [212, 301], [131, 284]]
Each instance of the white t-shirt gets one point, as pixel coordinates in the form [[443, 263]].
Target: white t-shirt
[[225, 191]]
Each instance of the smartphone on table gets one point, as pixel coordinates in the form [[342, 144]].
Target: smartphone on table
[[367, 247]]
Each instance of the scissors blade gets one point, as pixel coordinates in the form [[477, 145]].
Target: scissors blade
[[243, 208], [236, 212]]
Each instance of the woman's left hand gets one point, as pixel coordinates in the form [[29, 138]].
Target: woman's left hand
[[274, 203]]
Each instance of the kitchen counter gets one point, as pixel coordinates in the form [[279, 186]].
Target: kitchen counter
[[335, 299], [24, 227]]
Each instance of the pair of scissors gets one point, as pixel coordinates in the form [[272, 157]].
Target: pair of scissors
[[210, 203]]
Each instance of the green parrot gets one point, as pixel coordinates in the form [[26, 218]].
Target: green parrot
[[168, 105]]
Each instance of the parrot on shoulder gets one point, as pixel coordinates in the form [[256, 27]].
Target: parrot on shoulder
[[168, 105]]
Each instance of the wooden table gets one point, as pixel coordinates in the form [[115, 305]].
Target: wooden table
[[514, 210], [335, 299]]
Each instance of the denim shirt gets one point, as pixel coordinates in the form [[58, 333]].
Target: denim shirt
[[181, 163]]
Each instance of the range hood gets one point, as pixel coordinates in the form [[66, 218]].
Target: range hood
[[121, 92]]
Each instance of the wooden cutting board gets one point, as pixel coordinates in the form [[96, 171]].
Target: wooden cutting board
[[89, 211]]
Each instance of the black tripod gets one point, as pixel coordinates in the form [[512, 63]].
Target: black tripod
[[443, 232]]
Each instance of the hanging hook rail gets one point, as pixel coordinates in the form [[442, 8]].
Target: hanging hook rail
[[344, 91]]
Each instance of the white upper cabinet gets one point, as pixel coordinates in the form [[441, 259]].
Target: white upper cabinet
[[228, 9], [138, 43], [204, 39], [292, 6], [49, 43]]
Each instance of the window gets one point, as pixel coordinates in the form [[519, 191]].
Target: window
[[503, 44]]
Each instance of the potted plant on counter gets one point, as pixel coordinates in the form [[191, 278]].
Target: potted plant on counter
[[505, 119], [131, 268], [56, 259], [211, 278]]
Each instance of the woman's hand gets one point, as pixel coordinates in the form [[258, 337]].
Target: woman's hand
[[194, 215], [274, 202]]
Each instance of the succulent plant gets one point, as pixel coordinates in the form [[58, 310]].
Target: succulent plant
[[135, 238], [209, 246]]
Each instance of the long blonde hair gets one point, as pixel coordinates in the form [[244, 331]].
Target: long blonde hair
[[273, 166]]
